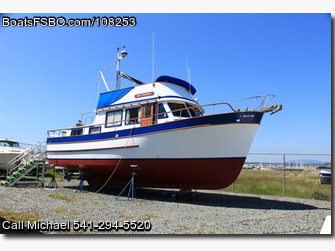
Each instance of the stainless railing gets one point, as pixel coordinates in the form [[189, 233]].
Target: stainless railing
[[263, 102]]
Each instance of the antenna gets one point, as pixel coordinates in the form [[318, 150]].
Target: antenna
[[187, 68], [153, 56], [189, 75], [188, 71]]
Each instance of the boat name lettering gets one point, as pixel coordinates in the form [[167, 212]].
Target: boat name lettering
[[144, 94]]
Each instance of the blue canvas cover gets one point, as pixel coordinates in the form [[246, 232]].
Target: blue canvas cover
[[177, 81], [107, 98]]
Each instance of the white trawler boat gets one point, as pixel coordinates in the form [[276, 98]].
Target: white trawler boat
[[9, 149], [161, 128]]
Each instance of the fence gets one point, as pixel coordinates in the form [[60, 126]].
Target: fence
[[285, 163]]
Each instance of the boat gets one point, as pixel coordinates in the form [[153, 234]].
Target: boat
[[160, 132], [9, 149]]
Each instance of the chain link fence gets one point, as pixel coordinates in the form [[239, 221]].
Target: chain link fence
[[284, 174]]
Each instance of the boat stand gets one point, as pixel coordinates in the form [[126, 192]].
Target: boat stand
[[53, 183], [131, 184], [80, 187]]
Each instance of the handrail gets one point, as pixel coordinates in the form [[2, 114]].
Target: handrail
[[260, 106], [29, 149], [120, 121], [36, 151]]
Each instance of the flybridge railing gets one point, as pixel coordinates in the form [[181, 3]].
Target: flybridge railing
[[200, 108], [25, 145]]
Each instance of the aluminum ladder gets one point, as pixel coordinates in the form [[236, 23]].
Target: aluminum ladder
[[33, 158]]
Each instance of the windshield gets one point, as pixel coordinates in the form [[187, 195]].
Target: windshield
[[193, 110], [179, 110], [9, 144]]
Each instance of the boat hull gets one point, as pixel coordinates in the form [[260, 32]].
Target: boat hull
[[164, 173], [5, 157], [204, 153]]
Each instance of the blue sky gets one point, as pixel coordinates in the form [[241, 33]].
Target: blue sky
[[49, 76]]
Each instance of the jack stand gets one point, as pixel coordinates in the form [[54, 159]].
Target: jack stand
[[53, 183], [80, 187], [131, 184]]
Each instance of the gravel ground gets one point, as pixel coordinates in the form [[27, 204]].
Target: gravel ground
[[206, 212]]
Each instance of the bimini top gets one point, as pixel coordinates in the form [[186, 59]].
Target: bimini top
[[177, 81], [108, 98]]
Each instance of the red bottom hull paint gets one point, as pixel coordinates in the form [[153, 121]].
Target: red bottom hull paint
[[160, 173]]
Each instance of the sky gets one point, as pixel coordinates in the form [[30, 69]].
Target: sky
[[49, 75]]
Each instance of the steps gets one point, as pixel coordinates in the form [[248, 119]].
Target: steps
[[32, 159]]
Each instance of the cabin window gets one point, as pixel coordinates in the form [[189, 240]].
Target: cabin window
[[161, 111], [179, 110], [114, 118], [133, 115], [193, 110], [146, 111], [76, 132], [14, 144], [94, 130]]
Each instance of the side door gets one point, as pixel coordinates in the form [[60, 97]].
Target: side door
[[148, 114]]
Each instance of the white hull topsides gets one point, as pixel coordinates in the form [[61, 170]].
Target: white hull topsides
[[9, 149], [5, 158], [218, 141]]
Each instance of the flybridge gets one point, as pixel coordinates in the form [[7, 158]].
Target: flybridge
[[108, 98], [167, 79], [177, 81]]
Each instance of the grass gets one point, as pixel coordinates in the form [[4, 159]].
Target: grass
[[16, 217], [64, 211], [49, 173], [299, 184], [61, 197], [148, 216]]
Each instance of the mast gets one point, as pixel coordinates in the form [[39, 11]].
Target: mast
[[120, 56], [117, 69]]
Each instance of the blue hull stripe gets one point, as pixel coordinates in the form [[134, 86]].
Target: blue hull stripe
[[226, 118]]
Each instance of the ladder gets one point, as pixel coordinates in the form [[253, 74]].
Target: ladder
[[33, 158]]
